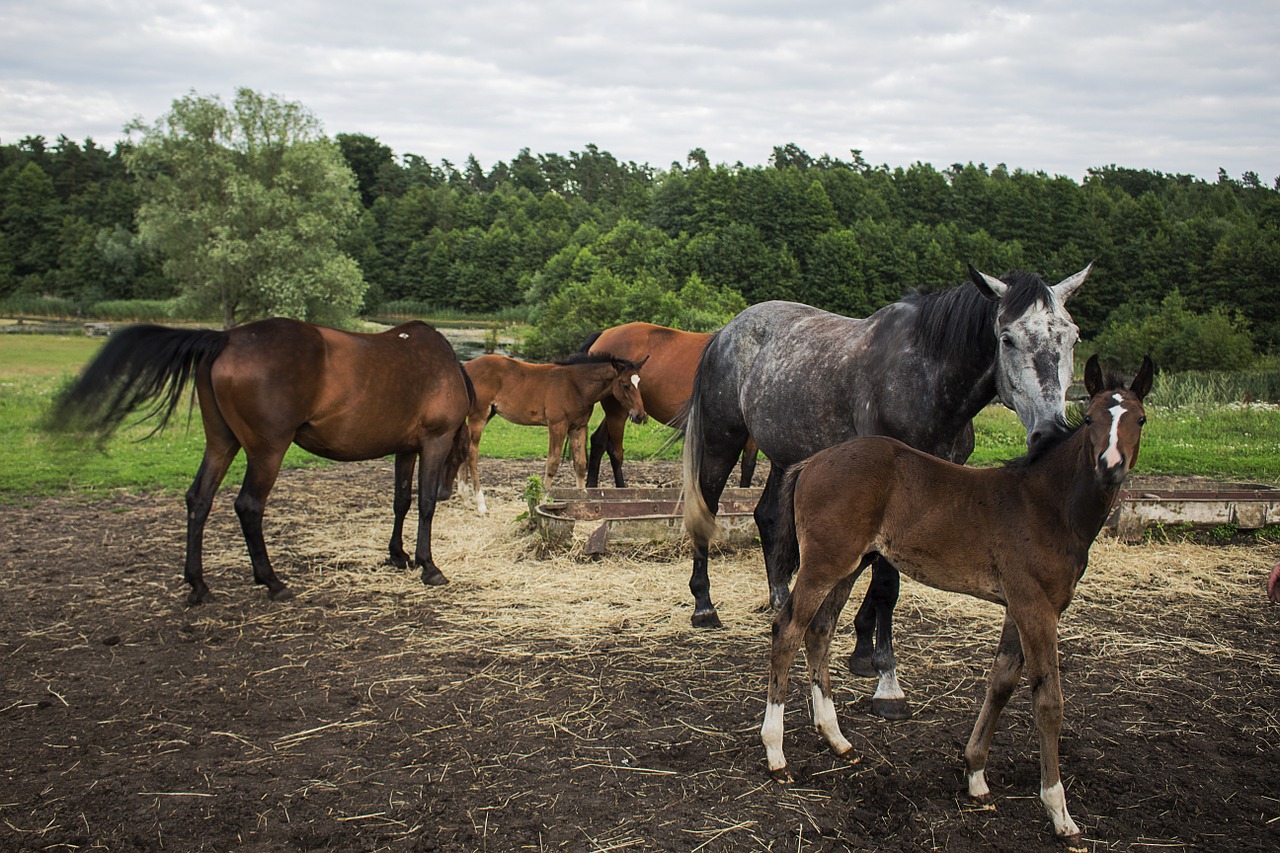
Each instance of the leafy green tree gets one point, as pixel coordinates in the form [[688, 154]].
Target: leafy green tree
[[248, 204], [1176, 338]]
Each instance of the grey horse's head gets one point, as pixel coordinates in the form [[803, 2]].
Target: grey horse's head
[[1036, 340]]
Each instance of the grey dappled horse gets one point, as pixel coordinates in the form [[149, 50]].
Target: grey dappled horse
[[798, 380]]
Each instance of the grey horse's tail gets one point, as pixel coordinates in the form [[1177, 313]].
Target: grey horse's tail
[[699, 521]]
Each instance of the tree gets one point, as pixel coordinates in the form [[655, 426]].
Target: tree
[[248, 206]]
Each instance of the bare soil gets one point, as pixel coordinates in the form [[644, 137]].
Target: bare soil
[[546, 701]]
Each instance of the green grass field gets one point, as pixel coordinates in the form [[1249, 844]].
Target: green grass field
[[1228, 442]]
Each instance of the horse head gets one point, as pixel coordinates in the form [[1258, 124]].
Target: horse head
[[626, 387], [1114, 419], [1036, 340]]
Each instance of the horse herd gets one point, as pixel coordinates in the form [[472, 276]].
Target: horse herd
[[866, 423]]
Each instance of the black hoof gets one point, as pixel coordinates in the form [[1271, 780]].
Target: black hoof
[[400, 561], [861, 665], [707, 619], [434, 577], [282, 593], [891, 709], [198, 596]]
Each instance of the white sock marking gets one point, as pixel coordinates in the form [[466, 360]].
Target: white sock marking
[[824, 718], [978, 784], [771, 734], [1055, 803], [887, 687]]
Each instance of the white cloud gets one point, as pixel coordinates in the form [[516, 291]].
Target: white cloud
[[1178, 86]]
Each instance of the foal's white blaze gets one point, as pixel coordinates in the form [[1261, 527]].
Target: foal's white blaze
[[887, 687], [771, 734], [635, 379], [824, 718], [1111, 456], [1055, 802]]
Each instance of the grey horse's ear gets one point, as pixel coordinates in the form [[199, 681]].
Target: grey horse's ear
[[1063, 290], [989, 286]]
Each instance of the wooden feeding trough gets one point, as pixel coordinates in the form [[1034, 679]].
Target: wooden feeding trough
[[634, 517], [637, 516], [1246, 506]]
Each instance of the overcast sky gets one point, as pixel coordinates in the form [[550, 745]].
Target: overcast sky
[[1178, 86]]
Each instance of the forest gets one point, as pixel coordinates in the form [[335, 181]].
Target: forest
[[576, 242]]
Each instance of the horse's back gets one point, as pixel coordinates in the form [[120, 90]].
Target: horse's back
[[666, 379], [779, 364], [344, 395]]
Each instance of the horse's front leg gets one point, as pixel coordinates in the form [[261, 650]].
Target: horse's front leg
[[1039, 631], [475, 427], [404, 466], [430, 473], [889, 700], [578, 449], [556, 433]]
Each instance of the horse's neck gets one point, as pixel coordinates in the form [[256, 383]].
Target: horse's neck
[[1066, 480]]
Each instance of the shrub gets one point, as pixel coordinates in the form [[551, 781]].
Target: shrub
[[1176, 338]]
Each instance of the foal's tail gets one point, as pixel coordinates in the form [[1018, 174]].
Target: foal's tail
[[139, 365], [699, 521], [785, 548]]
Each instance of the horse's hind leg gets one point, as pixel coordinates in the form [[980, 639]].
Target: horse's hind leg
[[259, 477], [750, 455], [778, 569], [789, 628], [712, 476], [405, 463], [220, 449], [818, 656], [597, 447]]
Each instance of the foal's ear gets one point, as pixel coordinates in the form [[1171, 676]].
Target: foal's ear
[[989, 286], [1146, 377], [1093, 375]]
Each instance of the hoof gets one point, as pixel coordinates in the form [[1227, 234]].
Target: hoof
[[782, 776], [283, 593], [707, 619], [891, 709], [1073, 843], [985, 802], [399, 561], [434, 577], [861, 665], [850, 756], [198, 596]]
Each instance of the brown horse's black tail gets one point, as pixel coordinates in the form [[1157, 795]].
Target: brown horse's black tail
[[143, 367], [785, 555]]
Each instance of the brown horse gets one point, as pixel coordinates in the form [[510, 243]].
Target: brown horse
[[666, 384], [1017, 536], [264, 385], [558, 396]]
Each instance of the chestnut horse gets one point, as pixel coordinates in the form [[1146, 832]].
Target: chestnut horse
[[671, 359], [558, 396], [1017, 536], [264, 385]]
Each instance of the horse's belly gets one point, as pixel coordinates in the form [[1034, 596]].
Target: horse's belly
[[949, 573]]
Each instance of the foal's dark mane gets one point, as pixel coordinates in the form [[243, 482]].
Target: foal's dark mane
[[955, 322], [582, 357]]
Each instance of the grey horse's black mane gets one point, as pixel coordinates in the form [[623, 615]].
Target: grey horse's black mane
[[953, 323]]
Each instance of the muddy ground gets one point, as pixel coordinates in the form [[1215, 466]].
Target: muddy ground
[[547, 701]]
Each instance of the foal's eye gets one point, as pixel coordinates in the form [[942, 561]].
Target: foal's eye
[[1142, 421], [1088, 420]]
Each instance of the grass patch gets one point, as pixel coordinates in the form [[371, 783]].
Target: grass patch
[[1233, 442]]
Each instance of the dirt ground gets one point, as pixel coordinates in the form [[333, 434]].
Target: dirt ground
[[547, 701]]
